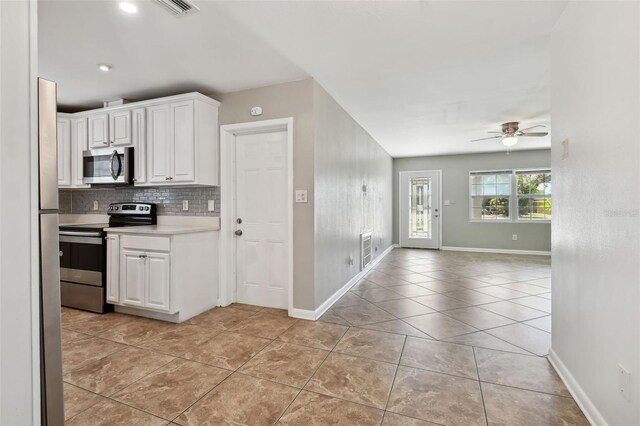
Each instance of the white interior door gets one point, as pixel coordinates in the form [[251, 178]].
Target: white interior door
[[261, 219], [420, 209]]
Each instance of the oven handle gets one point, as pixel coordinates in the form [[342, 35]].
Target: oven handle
[[115, 174], [80, 233]]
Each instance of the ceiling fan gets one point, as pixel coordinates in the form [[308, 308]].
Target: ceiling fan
[[510, 133]]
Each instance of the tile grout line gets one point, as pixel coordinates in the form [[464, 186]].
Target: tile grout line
[[484, 407]]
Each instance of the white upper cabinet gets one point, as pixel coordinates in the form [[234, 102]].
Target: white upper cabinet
[[139, 139], [120, 128], [158, 143], [183, 148], [98, 130], [175, 140], [79, 144], [182, 143], [63, 137]]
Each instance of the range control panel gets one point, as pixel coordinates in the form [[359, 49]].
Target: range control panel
[[132, 209]]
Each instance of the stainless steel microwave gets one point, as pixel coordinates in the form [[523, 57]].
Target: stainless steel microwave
[[108, 166]]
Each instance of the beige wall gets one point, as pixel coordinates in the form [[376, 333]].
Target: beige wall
[[295, 100], [346, 157], [457, 230]]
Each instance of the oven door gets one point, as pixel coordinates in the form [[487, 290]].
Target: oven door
[[108, 166], [82, 258]]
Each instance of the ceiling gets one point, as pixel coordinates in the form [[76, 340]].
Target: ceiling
[[423, 78], [152, 53]]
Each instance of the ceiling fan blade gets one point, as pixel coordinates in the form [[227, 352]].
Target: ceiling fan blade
[[532, 127], [484, 139], [536, 134]]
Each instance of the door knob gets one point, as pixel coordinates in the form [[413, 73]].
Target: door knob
[[238, 232]]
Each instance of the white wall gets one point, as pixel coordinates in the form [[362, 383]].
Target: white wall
[[596, 224], [18, 321]]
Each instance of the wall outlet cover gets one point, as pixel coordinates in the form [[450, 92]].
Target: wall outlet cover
[[95, 205], [256, 111], [185, 205], [514, 237], [211, 205], [301, 195]]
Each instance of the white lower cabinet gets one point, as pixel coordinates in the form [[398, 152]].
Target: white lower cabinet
[[133, 277], [157, 279], [168, 277], [144, 279]]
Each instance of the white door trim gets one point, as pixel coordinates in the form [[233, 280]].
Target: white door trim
[[405, 172], [228, 132]]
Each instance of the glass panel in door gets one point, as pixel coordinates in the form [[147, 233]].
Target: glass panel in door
[[420, 207]]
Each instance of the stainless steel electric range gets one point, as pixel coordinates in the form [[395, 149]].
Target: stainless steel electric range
[[83, 256]]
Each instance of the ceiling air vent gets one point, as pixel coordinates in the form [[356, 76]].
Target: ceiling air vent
[[178, 7]]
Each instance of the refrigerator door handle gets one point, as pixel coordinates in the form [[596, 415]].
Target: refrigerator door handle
[[47, 144]]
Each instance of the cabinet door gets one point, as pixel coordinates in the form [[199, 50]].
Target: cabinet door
[[158, 281], [120, 128], [98, 131], [139, 135], [132, 277], [184, 144], [63, 137], [79, 144], [159, 143], [113, 268]]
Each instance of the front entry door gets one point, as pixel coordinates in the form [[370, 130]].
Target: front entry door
[[420, 209], [261, 219]]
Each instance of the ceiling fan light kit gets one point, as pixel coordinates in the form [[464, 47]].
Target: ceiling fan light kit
[[511, 132], [509, 140]]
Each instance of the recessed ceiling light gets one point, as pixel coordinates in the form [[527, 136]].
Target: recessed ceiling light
[[104, 67], [128, 7]]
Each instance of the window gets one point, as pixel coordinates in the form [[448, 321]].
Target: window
[[420, 207], [510, 195], [534, 195], [490, 193]]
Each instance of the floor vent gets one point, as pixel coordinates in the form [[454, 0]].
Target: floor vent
[[365, 250], [178, 7]]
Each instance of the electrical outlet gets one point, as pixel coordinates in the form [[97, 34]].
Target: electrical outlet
[[301, 195], [211, 205], [95, 205], [185, 205], [624, 382], [514, 237]]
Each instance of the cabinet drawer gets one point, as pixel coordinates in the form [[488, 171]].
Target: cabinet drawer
[[139, 242]]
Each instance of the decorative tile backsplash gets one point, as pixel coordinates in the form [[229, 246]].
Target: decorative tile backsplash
[[168, 199]]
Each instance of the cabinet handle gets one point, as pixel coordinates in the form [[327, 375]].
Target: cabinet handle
[[143, 256], [168, 178]]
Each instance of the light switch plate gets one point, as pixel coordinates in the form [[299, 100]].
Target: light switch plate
[[301, 195], [447, 202], [211, 205], [95, 205]]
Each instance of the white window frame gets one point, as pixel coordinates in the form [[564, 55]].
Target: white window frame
[[513, 218]]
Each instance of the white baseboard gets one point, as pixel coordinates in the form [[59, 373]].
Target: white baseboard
[[314, 315], [584, 402], [303, 314], [501, 251]]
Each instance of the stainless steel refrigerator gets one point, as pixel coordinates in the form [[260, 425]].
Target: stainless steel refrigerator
[[50, 335]]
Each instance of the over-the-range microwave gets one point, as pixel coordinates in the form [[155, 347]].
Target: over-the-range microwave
[[109, 166]]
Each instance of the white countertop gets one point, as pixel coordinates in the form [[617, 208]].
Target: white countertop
[[162, 229]]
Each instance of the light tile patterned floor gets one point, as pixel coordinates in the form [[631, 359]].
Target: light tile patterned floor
[[425, 338]]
